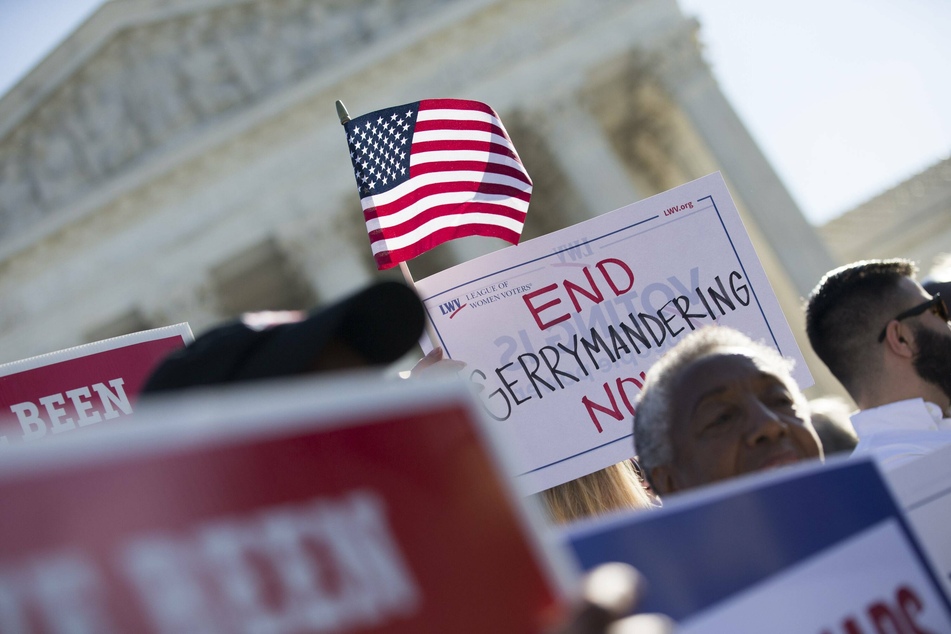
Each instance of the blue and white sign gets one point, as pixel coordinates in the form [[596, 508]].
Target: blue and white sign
[[819, 549], [923, 490]]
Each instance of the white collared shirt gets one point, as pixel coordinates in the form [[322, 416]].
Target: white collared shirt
[[897, 433]]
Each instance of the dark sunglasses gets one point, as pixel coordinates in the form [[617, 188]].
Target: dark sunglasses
[[935, 305]]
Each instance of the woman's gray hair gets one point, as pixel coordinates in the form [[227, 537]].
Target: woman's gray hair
[[653, 409]]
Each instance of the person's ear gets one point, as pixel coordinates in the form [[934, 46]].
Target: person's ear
[[663, 480], [899, 340]]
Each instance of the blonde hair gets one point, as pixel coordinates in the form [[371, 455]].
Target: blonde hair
[[615, 488]]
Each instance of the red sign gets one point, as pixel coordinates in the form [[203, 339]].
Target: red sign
[[79, 387], [363, 507]]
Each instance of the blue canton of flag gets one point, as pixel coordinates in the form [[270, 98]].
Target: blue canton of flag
[[380, 148]]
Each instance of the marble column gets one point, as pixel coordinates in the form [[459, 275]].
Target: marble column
[[594, 171], [328, 259], [796, 243]]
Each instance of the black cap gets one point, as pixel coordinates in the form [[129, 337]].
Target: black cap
[[935, 286], [381, 323]]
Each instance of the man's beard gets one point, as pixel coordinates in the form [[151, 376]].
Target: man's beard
[[933, 360]]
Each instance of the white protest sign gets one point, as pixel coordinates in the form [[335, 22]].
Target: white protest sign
[[560, 330], [923, 489]]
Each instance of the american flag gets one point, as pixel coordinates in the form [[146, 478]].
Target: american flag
[[435, 170]]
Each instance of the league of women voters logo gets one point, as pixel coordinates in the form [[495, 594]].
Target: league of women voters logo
[[572, 253], [483, 297]]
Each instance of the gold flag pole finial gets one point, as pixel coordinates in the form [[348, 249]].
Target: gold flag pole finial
[[342, 112]]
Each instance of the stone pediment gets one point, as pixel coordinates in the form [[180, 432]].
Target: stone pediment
[[142, 74]]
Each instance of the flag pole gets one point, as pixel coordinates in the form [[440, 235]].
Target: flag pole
[[342, 113], [344, 117], [430, 331]]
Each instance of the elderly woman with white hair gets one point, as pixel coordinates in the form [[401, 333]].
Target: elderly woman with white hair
[[716, 406]]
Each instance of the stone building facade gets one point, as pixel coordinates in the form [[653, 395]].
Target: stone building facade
[[911, 220], [181, 160]]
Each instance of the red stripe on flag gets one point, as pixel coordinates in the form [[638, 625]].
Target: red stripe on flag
[[473, 166], [462, 144], [389, 259], [439, 211], [457, 124], [456, 104], [444, 188]]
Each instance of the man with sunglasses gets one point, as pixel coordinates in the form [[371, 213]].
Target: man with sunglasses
[[889, 343]]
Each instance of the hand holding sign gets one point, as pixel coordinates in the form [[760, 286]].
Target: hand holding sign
[[609, 593], [434, 364]]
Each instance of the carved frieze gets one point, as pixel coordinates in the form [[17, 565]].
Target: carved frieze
[[150, 85]]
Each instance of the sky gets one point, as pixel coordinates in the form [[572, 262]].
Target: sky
[[846, 98]]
